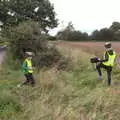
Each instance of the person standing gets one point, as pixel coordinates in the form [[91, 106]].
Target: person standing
[[28, 69], [107, 63]]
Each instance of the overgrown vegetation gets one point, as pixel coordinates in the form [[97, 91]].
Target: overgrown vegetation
[[28, 36], [71, 94], [24, 26], [10, 106], [59, 95]]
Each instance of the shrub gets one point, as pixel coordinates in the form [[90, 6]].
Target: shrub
[[28, 36]]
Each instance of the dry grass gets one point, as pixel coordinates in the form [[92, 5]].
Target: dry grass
[[73, 95], [70, 96]]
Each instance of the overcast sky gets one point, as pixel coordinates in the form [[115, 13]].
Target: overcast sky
[[86, 15]]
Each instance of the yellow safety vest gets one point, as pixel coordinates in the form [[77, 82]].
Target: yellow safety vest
[[111, 59], [29, 65]]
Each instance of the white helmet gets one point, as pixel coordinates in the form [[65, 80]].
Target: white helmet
[[29, 53], [108, 45]]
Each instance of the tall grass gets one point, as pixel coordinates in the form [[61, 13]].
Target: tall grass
[[10, 106], [63, 95]]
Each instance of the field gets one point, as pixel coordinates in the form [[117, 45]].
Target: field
[[91, 47], [75, 94]]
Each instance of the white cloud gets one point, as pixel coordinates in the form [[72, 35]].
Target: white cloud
[[88, 15]]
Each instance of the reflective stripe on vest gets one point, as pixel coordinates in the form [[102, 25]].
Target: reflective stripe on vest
[[111, 59], [29, 65]]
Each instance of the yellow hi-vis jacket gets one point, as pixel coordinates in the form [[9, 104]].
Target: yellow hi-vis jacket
[[111, 59], [28, 66]]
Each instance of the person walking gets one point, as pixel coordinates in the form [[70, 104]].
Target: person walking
[[28, 69], [107, 63]]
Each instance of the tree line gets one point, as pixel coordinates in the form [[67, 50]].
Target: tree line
[[14, 12], [105, 34]]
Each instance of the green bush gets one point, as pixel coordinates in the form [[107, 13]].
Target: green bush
[[47, 58], [28, 36]]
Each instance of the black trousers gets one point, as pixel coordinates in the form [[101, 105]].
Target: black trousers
[[29, 79], [107, 68]]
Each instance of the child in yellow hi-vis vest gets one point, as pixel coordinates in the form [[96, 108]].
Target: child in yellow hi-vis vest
[[107, 63], [28, 69]]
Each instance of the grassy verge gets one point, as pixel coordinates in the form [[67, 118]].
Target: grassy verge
[[10, 106], [65, 95]]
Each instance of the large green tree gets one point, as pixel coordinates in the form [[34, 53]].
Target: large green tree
[[12, 12]]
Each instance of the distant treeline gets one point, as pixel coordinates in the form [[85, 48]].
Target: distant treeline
[[105, 34]]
